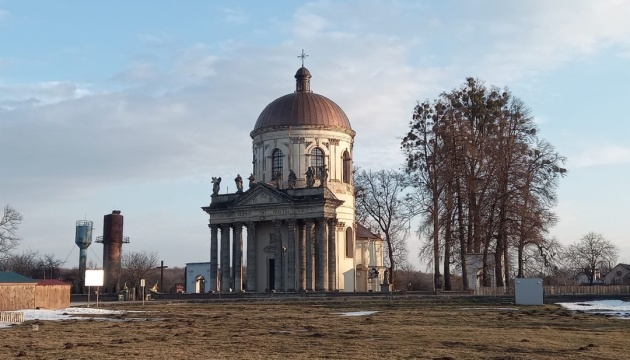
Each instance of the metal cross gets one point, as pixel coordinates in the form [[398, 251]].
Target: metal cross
[[302, 56]]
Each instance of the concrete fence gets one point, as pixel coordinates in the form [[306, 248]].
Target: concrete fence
[[559, 290], [11, 317]]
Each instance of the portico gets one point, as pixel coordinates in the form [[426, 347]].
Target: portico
[[296, 235]]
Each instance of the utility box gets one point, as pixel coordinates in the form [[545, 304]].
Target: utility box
[[528, 291]]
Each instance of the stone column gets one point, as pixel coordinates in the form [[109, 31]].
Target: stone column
[[225, 258], [291, 255], [321, 246], [302, 255], [332, 254], [310, 254], [251, 257], [237, 258], [278, 256], [214, 242]]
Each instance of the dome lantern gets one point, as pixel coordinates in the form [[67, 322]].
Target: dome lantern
[[303, 80]]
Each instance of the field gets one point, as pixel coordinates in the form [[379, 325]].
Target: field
[[404, 329]]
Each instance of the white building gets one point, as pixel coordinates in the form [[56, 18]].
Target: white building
[[298, 210], [196, 277]]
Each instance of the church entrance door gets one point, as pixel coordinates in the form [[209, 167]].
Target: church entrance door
[[271, 274]]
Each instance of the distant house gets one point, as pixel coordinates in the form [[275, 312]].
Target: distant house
[[582, 278], [368, 253], [619, 275], [20, 292], [558, 281]]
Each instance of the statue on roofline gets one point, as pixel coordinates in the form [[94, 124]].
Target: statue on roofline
[[292, 179], [252, 180], [216, 185], [239, 183], [310, 177]]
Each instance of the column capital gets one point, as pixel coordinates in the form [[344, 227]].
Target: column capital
[[250, 225], [213, 226], [332, 221], [225, 227], [290, 223], [341, 225], [277, 224], [237, 225]]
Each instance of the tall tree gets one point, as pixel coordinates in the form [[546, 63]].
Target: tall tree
[[380, 202], [9, 223], [482, 177], [591, 253]]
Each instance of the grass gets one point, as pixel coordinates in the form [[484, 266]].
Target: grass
[[406, 329]]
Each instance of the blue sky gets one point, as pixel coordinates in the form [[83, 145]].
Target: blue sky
[[136, 105]]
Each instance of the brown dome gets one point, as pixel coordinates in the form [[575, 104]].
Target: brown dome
[[302, 108]]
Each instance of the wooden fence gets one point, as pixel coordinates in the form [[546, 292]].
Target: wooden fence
[[52, 296], [16, 296], [559, 290], [11, 317]]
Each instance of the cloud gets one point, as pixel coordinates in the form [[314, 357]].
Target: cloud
[[42, 92], [603, 155], [154, 39], [525, 39], [236, 17]]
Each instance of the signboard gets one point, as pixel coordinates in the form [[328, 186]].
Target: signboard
[[142, 282], [528, 291], [94, 277]]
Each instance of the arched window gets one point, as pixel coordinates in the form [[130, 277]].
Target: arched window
[[317, 161], [349, 243], [347, 167], [276, 163]]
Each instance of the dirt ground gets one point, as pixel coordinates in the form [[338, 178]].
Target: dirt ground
[[410, 329]]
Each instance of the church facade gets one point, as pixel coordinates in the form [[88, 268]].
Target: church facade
[[297, 213]]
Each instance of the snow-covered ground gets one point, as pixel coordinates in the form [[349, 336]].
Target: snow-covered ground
[[615, 308], [63, 314]]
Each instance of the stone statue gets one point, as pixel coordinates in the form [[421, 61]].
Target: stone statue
[[252, 180], [216, 181], [278, 179], [239, 183], [324, 177], [292, 179], [386, 277], [310, 177]]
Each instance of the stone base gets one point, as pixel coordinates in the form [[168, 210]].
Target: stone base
[[386, 287]]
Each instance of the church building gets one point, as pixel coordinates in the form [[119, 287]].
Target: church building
[[298, 207]]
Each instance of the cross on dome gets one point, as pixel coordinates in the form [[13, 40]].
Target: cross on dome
[[302, 56]]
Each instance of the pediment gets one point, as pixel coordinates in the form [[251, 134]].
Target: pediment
[[261, 195]]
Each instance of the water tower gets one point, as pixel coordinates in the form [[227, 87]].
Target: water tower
[[112, 241], [83, 239]]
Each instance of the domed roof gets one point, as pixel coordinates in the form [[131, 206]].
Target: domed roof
[[302, 108]]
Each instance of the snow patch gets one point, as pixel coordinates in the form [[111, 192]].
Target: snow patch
[[356, 313], [617, 308]]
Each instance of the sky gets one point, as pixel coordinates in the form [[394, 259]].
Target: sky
[[135, 106]]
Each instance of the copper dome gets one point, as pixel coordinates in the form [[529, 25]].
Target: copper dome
[[302, 108]]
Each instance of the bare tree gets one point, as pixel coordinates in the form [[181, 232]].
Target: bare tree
[[30, 263], [8, 231], [380, 202], [590, 253], [485, 183], [137, 265]]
